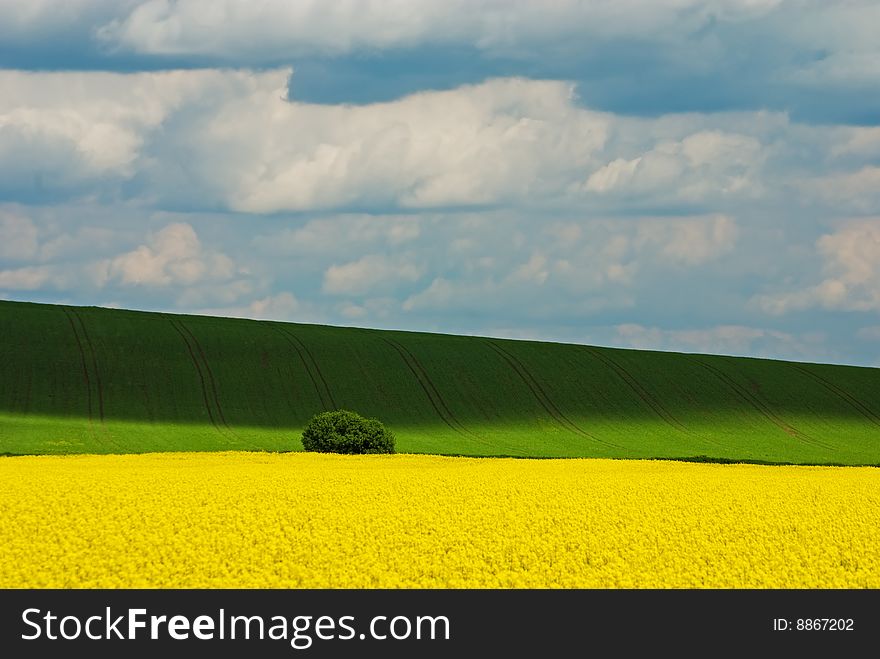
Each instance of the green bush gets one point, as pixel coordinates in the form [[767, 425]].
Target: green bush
[[342, 431]]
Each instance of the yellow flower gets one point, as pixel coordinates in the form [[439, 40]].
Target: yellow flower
[[257, 520]]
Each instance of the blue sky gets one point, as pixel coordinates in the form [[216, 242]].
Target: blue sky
[[675, 175]]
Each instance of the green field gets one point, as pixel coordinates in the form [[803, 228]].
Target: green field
[[93, 380]]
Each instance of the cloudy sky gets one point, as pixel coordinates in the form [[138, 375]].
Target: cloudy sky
[[663, 174]]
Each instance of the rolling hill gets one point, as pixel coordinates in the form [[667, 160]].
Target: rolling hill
[[95, 380]]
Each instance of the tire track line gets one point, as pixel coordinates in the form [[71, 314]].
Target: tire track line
[[428, 387], [436, 400], [306, 369], [646, 397], [82, 356], [639, 390], [198, 368], [541, 396], [95, 370], [101, 434], [226, 429], [211, 381], [863, 409], [746, 396], [323, 390]]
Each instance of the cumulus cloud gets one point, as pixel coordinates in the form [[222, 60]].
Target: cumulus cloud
[[497, 141], [231, 140], [276, 29], [329, 235], [79, 240], [610, 253], [859, 141], [705, 162], [690, 241], [845, 36], [370, 273], [572, 267], [24, 21], [851, 265], [174, 256], [685, 54], [85, 130], [721, 339], [856, 190], [25, 279], [279, 306], [18, 236], [440, 294]]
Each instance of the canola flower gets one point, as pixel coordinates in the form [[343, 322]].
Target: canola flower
[[259, 520]]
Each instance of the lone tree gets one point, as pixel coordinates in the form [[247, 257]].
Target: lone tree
[[342, 431]]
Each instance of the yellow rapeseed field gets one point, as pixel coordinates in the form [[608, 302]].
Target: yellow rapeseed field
[[243, 520]]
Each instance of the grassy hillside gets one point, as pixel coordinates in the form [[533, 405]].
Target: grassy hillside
[[83, 379]]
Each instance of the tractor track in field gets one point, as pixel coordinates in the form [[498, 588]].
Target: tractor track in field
[[206, 378], [643, 394], [543, 399], [323, 390], [91, 348], [647, 398], [436, 400], [843, 394], [211, 381], [82, 357], [227, 429], [757, 404], [102, 434], [439, 405], [195, 362]]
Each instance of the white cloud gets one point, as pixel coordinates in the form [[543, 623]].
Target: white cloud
[[721, 339], [231, 139], [173, 256], [25, 279], [615, 174], [22, 21], [275, 29], [569, 267], [274, 305], [845, 35], [851, 265], [691, 241], [857, 190], [71, 128], [81, 240], [438, 295], [342, 233], [209, 138], [704, 163], [353, 311], [858, 141], [533, 271], [369, 273], [279, 306], [615, 254], [842, 67], [18, 236], [497, 141], [222, 139]]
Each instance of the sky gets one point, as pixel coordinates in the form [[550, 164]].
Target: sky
[[658, 174]]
